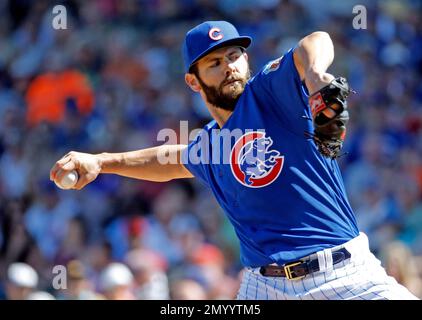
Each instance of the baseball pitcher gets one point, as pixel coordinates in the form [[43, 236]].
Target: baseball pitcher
[[277, 178]]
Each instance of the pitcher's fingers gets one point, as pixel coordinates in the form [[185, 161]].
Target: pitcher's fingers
[[60, 174], [85, 179], [64, 159], [52, 173], [82, 182], [57, 166], [69, 166]]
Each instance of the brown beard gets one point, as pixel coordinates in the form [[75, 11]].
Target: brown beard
[[218, 98]]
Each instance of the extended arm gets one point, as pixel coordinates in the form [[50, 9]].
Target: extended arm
[[154, 164]]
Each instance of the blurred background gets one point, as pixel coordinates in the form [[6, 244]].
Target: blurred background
[[114, 78]]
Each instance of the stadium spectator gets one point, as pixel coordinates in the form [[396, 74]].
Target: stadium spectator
[[22, 280]]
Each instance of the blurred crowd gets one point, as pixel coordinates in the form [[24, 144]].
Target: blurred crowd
[[114, 78]]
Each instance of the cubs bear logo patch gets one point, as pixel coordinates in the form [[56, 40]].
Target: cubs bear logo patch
[[254, 164]]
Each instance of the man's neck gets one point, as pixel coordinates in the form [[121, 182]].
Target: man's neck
[[219, 115]]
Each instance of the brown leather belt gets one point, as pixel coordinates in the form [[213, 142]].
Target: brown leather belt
[[299, 269]]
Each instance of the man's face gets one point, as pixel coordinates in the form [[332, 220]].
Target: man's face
[[222, 75]]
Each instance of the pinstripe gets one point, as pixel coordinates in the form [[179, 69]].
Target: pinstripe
[[247, 284], [283, 281], [353, 267], [266, 288], [337, 294], [359, 270], [371, 267], [346, 268], [360, 288], [329, 284], [391, 288], [275, 288], [338, 280], [387, 282], [286, 289], [375, 286], [370, 272], [362, 277], [365, 290], [313, 278], [332, 287], [293, 287], [299, 289], [325, 278], [306, 290], [243, 284], [339, 297], [348, 292], [375, 294], [335, 280], [241, 288]]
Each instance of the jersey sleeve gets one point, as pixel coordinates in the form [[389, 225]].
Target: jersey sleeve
[[196, 157], [280, 82]]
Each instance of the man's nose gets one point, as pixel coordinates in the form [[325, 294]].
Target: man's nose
[[230, 67]]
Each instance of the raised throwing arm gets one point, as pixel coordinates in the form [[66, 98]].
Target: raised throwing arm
[[312, 56]]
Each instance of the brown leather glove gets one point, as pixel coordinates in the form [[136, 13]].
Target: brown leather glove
[[330, 116]]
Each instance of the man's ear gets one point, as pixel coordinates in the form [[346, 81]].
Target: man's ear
[[192, 82], [246, 55]]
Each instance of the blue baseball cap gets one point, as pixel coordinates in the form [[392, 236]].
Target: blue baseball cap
[[209, 36]]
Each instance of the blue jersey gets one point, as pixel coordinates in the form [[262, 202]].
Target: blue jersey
[[284, 199]]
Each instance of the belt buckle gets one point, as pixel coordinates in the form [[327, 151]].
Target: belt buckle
[[289, 272]]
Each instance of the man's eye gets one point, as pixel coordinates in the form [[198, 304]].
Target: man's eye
[[234, 56], [216, 63]]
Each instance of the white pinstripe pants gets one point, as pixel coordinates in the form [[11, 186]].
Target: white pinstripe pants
[[359, 278]]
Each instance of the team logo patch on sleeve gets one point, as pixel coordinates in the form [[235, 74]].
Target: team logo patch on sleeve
[[252, 161], [272, 65]]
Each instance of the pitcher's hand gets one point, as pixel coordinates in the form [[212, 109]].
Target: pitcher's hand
[[87, 165]]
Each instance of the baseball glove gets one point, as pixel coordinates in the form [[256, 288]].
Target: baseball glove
[[330, 116]]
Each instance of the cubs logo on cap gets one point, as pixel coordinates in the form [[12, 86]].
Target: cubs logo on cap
[[215, 34], [209, 36]]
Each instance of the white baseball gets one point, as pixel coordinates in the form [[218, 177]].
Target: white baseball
[[68, 180]]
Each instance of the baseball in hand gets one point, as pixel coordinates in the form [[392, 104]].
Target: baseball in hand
[[68, 180]]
